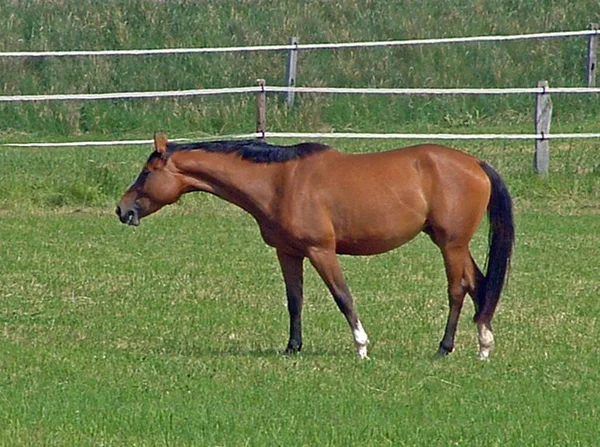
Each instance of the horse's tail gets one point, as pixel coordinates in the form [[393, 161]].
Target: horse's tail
[[501, 241]]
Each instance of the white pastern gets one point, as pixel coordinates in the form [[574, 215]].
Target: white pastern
[[486, 341], [361, 340], [484, 355]]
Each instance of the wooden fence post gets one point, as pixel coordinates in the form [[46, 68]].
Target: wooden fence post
[[591, 57], [543, 116], [290, 70], [261, 113]]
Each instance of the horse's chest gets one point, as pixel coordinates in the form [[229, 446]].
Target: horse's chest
[[280, 238]]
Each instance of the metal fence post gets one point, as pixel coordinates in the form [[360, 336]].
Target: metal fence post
[[261, 113], [290, 70], [543, 116], [590, 71]]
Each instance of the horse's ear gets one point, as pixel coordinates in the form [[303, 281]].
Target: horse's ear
[[160, 142]]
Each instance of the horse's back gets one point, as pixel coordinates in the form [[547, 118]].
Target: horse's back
[[425, 167], [374, 202]]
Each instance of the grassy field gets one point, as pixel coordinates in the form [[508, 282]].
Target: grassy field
[[134, 24], [172, 333]]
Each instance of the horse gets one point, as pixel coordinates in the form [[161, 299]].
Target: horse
[[312, 201]]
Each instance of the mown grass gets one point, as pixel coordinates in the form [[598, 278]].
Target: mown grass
[[36, 178], [172, 333]]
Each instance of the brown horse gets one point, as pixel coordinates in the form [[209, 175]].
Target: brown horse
[[311, 201]]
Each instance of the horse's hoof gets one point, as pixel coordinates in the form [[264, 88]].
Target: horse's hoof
[[441, 353], [293, 349], [483, 356], [361, 351]]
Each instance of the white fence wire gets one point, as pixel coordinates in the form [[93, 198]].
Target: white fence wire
[[330, 135], [314, 90], [317, 90], [315, 46]]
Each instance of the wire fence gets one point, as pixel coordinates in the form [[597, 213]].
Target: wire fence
[[300, 47], [294, 47], [328, 135], [263, 89], [316, 90]]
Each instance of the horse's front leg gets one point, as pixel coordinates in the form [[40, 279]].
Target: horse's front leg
[[328, 266], [292, 269]]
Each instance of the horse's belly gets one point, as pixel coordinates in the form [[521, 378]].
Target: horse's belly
[[371, 231], [373, 245]]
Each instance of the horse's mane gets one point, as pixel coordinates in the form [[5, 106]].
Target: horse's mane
[[254, 150]]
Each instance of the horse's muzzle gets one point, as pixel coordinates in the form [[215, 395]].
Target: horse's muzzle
[[128, 216]]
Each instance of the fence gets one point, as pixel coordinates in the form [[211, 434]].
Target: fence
[[543, 105]]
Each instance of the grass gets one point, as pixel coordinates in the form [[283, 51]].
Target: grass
[[134, 24], [172, 333], [50, 179], [155, 336]]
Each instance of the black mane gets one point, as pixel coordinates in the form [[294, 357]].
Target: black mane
[[254, 150]]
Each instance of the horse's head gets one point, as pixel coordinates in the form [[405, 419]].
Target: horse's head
[[156, 186]]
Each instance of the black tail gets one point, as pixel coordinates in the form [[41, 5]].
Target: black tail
[[501, 241]]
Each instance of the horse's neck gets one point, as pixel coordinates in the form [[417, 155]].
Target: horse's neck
[[246, 184]]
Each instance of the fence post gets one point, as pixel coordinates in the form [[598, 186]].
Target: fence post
[[543, 116], [290, 70], [261, 113], [591, 57]]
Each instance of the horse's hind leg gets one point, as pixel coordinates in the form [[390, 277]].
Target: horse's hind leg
[[484, 327], [486, 339], [460, 274], [327, 264]]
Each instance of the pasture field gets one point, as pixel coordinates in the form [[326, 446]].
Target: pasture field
[[139, 24], [172, 333]]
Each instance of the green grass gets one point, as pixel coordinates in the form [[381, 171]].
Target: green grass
[[52, 179], [172, 333], [134, 24]]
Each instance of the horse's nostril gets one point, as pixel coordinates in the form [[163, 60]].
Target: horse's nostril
[[118, 211]]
